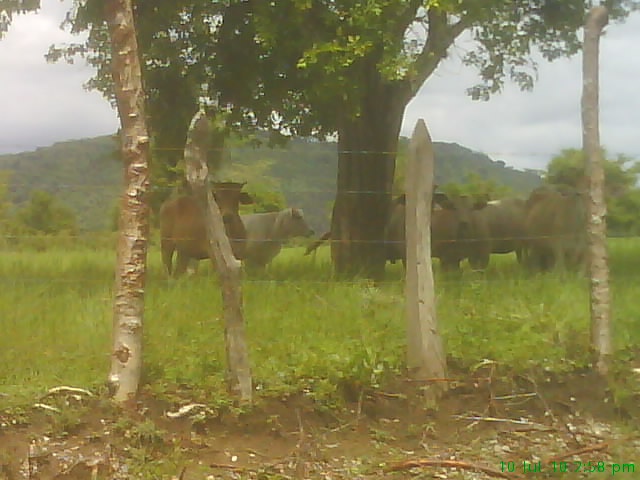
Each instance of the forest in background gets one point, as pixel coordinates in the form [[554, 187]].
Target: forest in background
[[85, 175]]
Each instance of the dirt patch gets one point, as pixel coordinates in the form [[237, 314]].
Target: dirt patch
[[482, 425]]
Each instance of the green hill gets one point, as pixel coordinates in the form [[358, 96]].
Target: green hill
[[85, 175]]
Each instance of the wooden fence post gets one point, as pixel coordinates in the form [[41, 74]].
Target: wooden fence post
[[133, 229], [425, 354], [226, 265], [597, 208]]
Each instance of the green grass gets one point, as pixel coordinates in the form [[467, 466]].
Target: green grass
[[306, 332]]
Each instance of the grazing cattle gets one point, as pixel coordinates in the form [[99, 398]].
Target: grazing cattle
[[182, 227], [556, 227], [266, 232], [505, 219], [458, 231]]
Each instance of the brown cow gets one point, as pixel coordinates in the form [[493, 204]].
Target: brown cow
[[556, 227], [505, 219], [458, 231], [182, 227]]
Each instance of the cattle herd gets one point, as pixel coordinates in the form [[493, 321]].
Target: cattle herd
[[545, 230]]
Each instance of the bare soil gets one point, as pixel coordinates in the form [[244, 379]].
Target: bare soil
[[379, 434]]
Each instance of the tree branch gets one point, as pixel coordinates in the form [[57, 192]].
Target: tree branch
[[408, 15], [441, 37]]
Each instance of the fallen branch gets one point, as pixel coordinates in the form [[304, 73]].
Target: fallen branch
[[187, 409], [228, 466], [495, 419], [48, 408], [408, 464], [66, 389]]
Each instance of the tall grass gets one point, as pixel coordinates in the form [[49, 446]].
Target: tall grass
[[306, 332]]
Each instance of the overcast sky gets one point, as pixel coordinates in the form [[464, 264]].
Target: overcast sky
[[46, 103]]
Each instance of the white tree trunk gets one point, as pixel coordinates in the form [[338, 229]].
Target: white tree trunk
[[226, 265], [425, 354], [128, 305], [597, 208]]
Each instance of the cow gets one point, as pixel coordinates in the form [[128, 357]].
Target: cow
[[266, 232], [556, 227], [505, 219], [458, 231], [182, 226]]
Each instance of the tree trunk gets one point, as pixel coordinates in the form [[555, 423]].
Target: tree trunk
[[367, 147], [128, 304], [597, 208]]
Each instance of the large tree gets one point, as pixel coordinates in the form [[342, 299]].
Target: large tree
[[322, 66], [365, 61]]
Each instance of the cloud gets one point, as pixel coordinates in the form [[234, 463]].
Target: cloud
[[526, 128], [45, 103]]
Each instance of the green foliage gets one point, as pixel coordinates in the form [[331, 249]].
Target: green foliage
[[44, 214], [623, 213], [569, 168], [312, 62], [477, 187], [5, 207], [621, 186], [82, 174]]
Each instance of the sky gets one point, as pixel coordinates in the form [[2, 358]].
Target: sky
[[46, 103]]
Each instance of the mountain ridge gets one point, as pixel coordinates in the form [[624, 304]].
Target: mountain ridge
[[86, 176]]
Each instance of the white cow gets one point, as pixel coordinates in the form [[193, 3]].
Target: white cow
[[266, 232]]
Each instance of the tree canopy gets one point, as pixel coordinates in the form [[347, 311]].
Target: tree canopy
[[569, 168], [45, 214], [622, 192]]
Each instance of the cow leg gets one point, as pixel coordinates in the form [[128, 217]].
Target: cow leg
[[254, 265], [479, 262], [558, 256], [167, 248], [450, 264], [537, 258], [182, 262], [548, 259]]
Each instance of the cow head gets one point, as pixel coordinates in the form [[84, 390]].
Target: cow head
[[229, 196], [297, 224], [460, 208]]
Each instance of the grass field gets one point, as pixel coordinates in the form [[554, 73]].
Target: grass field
[[327, 360], [307, 333]]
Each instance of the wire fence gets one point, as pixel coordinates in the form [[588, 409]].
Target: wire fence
[[287, 190], [328, 241]]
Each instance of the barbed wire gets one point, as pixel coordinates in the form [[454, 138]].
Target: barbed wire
[[171, 188], [87, 235], [480, 277]]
